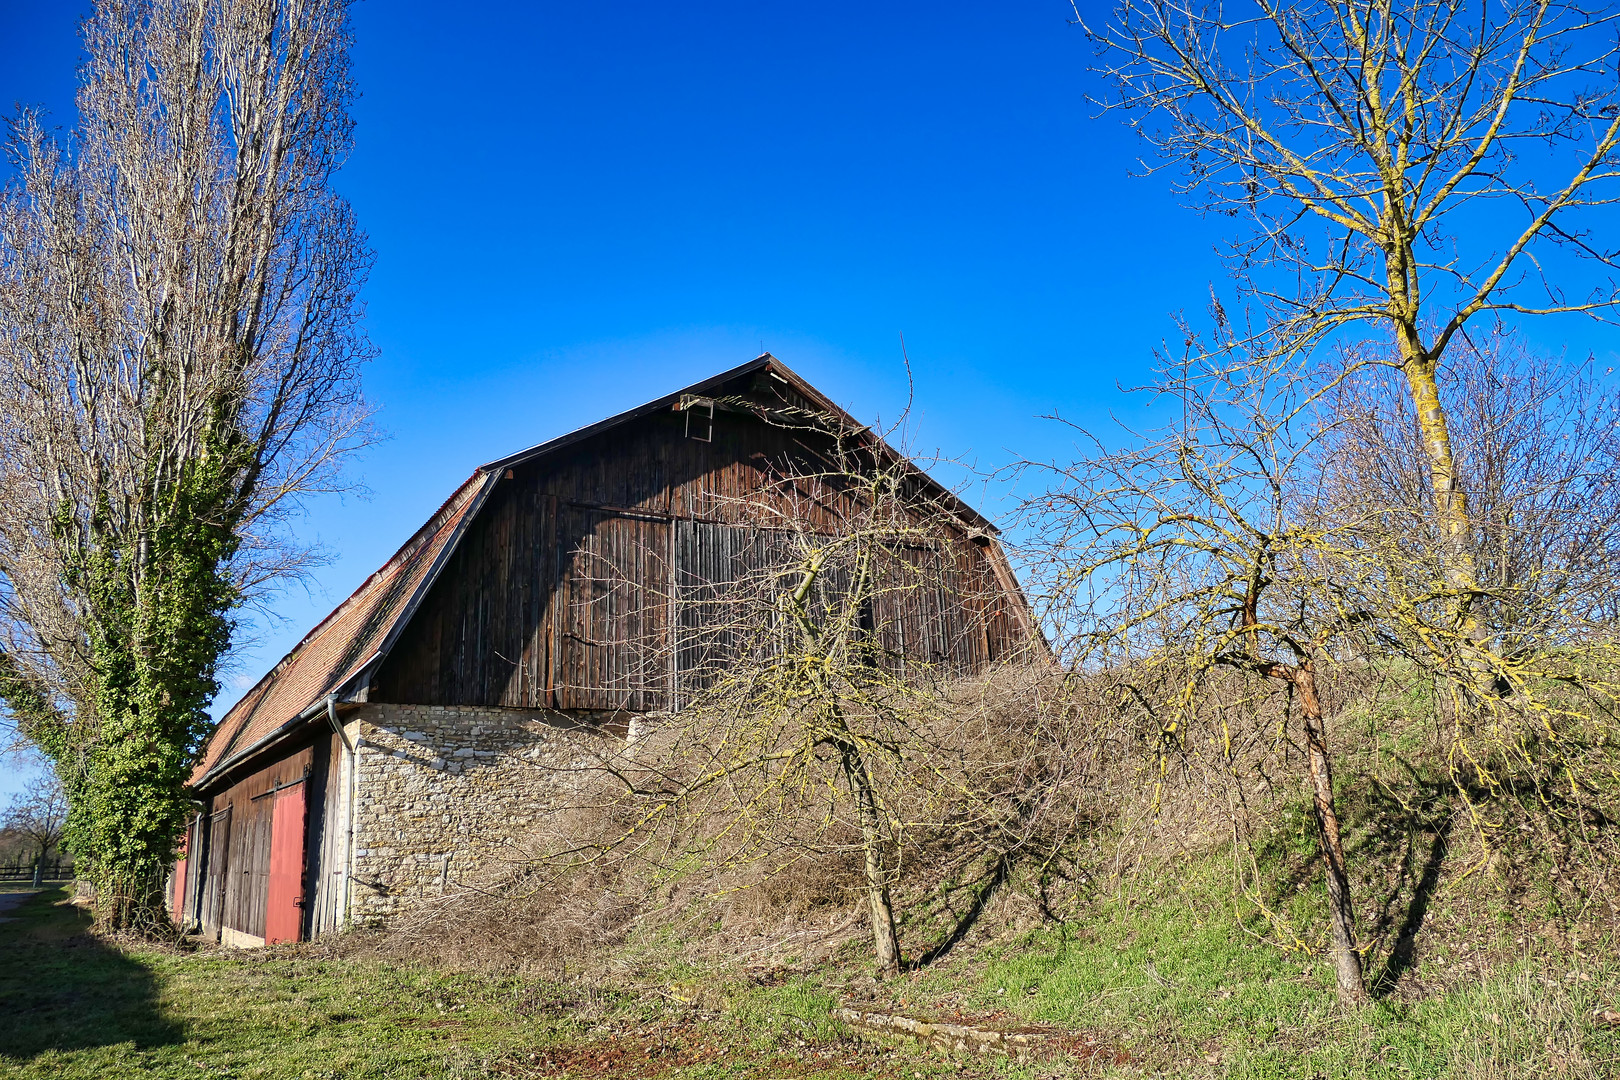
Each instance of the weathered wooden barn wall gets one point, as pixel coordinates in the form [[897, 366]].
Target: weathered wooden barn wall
[[582, 578], [328, 832], [236, 865], [592, 576]]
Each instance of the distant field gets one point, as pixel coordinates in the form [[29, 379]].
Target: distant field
[[28, 886]]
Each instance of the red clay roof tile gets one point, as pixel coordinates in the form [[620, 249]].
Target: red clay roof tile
[[342, 643]]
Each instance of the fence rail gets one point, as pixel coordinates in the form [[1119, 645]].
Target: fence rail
[[51, 871]]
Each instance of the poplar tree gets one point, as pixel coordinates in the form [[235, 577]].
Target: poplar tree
[[180, 352]]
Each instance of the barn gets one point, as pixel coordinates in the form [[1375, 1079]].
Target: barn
[[390, 754]]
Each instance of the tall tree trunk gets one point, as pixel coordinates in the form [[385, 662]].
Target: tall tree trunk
[[1459, 566], [1450, 496], [1346, 957], [885, 941]]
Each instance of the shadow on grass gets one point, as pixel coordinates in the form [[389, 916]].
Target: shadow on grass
[[1396, 834], [1403, 953], [982, 891], [64, 989]]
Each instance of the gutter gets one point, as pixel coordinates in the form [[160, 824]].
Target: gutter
[[337, 728], [281, 733], [326, 703]]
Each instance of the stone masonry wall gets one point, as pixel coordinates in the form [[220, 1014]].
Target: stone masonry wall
[[445, 794]]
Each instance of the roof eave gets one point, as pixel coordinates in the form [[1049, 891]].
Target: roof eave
[[278, 735], [360, 675]]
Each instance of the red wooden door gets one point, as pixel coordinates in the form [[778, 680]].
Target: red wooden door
[[284, 909], [180, 877]]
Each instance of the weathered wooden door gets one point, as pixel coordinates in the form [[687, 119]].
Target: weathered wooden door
[[284, 907], [714, 565], [612, 611], [217, 865]]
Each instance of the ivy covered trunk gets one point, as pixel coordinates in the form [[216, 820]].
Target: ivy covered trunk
[[180, 353], [162, 601]]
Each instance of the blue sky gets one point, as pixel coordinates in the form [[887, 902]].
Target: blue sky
[[578, 207]]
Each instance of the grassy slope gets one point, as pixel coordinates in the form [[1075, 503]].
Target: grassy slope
[[1188, 993], [1480, 968], [1189, 983], [1171, 976]]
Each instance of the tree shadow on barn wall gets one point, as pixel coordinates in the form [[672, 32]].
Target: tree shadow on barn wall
[[63, 989]]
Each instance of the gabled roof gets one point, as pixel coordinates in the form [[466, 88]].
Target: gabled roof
[[339, 655], [345, 644], [764, 362]]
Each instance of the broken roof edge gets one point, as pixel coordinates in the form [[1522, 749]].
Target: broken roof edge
[[762, 362]]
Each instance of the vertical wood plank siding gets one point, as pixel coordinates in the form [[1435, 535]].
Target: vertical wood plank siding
[[567, 588], [326, 861], [238, 857], [217, 867]]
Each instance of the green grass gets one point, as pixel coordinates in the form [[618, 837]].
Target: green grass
[[22, 886], [1185, 987], [73, 1005], [1171, 983]]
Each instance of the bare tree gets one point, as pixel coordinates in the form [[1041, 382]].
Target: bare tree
[[1273, 533], [1180, 563], [830, 673], [38, 813], [180, 347], [1408, 169], [1538, 446]]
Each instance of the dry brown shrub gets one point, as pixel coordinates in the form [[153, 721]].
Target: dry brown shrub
[[1086, 804], [993, 831]]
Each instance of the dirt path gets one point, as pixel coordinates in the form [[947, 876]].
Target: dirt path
[[12, 899]]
